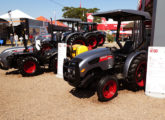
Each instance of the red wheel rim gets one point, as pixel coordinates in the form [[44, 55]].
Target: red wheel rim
[[101, 40], [141, 74], [92, 42], [29, 67], [79, 42], [109, 89]]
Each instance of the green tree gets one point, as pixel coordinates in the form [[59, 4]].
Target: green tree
[[72, 12]]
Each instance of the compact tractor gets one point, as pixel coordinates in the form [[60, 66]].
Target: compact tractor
[[29, 59], [103, 65]]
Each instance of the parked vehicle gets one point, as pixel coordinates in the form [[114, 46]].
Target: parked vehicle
[[101, 66], [28, 60]]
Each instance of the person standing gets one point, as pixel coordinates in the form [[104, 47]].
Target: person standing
[[16, 39], [11, 39], [21, 39], [31, 38]]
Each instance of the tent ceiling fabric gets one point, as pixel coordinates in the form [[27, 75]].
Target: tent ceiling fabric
[[16, 14]]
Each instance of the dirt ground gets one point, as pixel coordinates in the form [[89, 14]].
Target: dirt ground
[[46, 97]]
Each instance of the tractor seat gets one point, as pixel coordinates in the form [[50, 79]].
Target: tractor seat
[[58, 36], [126, 49]]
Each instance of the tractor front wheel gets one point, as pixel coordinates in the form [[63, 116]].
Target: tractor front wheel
[[107, 88], [29, 66]]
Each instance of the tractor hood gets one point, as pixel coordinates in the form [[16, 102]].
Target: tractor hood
[[95, 52], [90, 56], [98, 58], [16, 50], [4, 64]]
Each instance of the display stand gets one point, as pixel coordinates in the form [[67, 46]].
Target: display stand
[[155, 83], [61, 56]]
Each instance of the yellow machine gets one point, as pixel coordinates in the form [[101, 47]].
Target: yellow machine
[[78, 49]]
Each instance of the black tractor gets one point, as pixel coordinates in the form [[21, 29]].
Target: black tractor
[[29, 59], [108, 67]]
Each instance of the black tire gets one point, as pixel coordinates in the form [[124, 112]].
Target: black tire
[[137, 73], [107, 88], [92, 41], [101, 39], [53, 64], [77, 40], [29, 66]]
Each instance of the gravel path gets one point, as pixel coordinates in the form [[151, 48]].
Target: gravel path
[[46, 97]]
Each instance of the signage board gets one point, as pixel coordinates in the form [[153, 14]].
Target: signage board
[[155, 81], [62, 47]]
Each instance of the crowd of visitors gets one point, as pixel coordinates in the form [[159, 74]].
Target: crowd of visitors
[[16, 40]]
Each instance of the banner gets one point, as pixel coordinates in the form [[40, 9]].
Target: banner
[[89, 17], [61, 56], [155, 81]]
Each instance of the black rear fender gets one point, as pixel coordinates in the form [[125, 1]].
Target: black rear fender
[[129, 60], [88, 34]]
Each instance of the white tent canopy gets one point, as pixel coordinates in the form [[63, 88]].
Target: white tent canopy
[[15, 16]]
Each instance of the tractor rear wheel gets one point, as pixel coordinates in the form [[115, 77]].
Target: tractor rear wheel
[[29, 66], [107, 88], [78, 40], [92, 41], [137, 73], [101, 40]]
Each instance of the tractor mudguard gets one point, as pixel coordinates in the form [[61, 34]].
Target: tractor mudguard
[[130, 59], [100, 33], [72, 34], [88, 34]]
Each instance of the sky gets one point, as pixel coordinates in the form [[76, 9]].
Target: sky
[[53, 8]]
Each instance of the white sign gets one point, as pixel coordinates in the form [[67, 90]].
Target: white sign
[[38, 44], [155, 83], [61, 56]]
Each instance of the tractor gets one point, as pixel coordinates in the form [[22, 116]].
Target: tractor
[[29, 59], [103, 66]]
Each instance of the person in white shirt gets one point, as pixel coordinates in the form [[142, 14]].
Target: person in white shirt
[[21, 39], [16, 39]]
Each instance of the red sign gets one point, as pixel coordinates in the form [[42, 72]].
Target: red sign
[[89, 17]]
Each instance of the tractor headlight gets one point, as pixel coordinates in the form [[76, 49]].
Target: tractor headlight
[[83, 70]]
